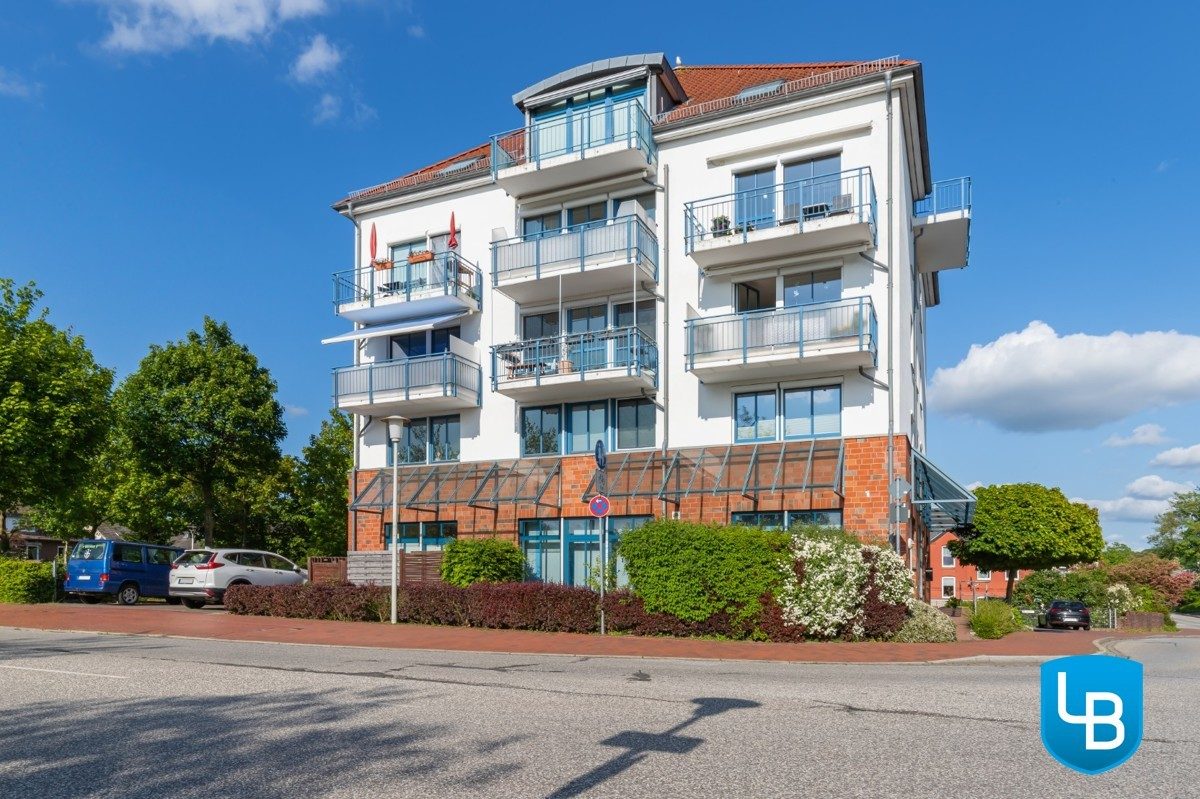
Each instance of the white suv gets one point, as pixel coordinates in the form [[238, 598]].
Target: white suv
[[200, 576]]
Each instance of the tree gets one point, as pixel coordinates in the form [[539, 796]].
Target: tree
[[204, 411], [1178, 530], [54, 403], [1028, 526], [323, 485], [1116, 553]]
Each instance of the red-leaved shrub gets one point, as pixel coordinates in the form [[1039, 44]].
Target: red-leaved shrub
[[880, 619]]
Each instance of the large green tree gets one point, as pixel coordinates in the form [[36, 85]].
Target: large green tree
[[54, 403], [1028, 526], [203, 410], [323, 485], [1178, 531]]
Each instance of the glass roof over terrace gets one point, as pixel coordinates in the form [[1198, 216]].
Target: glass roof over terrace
[[526, 481]]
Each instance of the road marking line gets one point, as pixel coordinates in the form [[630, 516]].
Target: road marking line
[[61, 671]]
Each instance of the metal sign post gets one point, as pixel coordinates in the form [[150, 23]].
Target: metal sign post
[[599, 507]]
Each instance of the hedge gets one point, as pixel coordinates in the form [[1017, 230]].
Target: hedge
[[466, 561], [26, 581], [994, 618], [696, 572]]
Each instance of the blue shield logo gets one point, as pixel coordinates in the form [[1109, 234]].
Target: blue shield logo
[[1091, 711]]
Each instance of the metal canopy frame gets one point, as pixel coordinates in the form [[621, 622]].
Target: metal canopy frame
[[523, 481], [942, 503]]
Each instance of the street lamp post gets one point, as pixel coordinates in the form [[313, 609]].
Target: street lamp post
[[395, 431]]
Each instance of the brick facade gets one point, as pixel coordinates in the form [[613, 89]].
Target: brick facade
[[967, 584]]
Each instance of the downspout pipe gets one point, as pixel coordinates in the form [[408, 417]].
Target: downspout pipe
[[664, 362], [358, 427], [893, 530]]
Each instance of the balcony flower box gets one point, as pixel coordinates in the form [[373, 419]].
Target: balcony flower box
[[420, 256], [381, 264], [720, 226]]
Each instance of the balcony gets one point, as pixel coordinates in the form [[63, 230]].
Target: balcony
[[410, 386], [814, 215], [447, 284], [942, 224], [596, 257], [576, 366], [783, 342], [567, 150]]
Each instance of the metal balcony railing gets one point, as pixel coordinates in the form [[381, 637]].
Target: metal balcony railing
[[450, 373], [740, 335], [947, 195], [626, 237], [575, 354], [801, 203], [574, 134], [447, 274]]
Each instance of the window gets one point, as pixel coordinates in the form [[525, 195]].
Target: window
[[423, 342], [618, 525], [583, 548], [400, 252], [539, 325], [88, 550], [435, 534], [813, 188], [539, 430], [810, 287], [947, 587], [542, 545], [536, 227], [755, 198], [648, 202], [588, 352], [767, 521], [33, 552], [458, 166], [440, 339], [276, 562], [759, 89], [821, 518], [254, 560], [586, 423], [635, 423], [160, 556], [592, 215], [754, 416], [983, 575], [128, 553], [812, 412], [947, 558], [785, 520], [417, 446]]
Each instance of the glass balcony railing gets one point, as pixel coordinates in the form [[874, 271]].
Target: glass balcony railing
[[574, 134], [446, 274], [443, 374], [576, 354], [626, 239], [799, 328], [947, 195], [849, 194]]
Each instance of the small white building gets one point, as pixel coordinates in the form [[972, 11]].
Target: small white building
[[720, 272]]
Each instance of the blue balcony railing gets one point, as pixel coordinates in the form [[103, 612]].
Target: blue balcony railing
[[777, 331], [577, 355], [448, 274], [800, 202], [445, 373], [947, 195], [626, 238], [574, 134]]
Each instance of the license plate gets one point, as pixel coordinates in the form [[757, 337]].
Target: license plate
[[186, 580], [85, 577]]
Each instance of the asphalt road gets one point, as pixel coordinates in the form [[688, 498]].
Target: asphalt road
[[85, 715]]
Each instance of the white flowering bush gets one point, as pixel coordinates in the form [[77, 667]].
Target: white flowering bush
[[927, 624], [824, 591], [1121, 599]]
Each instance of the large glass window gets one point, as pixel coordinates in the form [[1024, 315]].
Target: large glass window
[[813, 188], [947, 557], [539, 325], [768, 521], [437, 535], [423, 342], [635, 423], [539, 430], [810, 287], [533, 227], [618, 525], [586, 424], [583, 548], [755, 416], [592, 215], [588, 352], [542, 546], [821, 518], [812, 412], [755, 200], [444, 438], [417, 447], [783, 520]]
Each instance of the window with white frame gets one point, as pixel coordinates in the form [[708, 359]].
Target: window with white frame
[[947, 558], [799, 413], [947, 587], [983, 575]]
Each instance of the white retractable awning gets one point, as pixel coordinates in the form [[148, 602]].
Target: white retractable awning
[[396, 328]]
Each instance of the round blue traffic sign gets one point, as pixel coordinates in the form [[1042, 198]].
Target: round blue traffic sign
[[598, 505]]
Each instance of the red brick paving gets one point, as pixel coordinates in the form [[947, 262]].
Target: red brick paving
[[212, 623]]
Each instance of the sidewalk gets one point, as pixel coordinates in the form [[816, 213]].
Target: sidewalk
[[162, 620]]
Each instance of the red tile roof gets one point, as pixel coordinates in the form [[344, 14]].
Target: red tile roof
[[708, 88]]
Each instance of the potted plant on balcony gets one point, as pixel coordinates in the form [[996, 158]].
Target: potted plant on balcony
[[565, 366], [720, 225], [420, 256], [381, 264]]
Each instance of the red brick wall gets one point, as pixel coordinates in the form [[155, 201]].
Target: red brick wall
[[963, 575], [864, 479]]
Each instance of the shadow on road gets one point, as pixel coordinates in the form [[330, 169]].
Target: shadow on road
[[637, 745]]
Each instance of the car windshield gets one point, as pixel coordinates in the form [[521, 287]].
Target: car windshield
[[88, 550], [1075, 606], [194, 556]]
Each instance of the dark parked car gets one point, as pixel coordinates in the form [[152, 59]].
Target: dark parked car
[[1065, 613]]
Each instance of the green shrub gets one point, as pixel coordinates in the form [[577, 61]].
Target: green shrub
[[1191, 601], [1089, 586], [26, 581], [927, 624], [994, 618], [695, 571], [466, 561]]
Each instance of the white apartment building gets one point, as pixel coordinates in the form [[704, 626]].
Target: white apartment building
[[720, 272]]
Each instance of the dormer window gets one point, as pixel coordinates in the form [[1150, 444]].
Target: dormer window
[[458, 166], [759, 90]]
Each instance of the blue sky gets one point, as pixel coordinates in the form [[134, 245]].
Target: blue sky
[[161, 162]]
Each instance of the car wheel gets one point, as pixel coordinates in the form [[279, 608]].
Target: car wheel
[[90, 599], [1087, 627], [172, 600], [129, 594], [194, 604]]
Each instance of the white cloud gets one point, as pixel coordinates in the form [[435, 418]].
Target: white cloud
[[159, 26], [974, 485], [416, 31], [296, 410], [13, 85], [1179, 457], [1164, 165], [1144, 499], [1142, 435], [329, 108], [320, 58], [1154, 487], [1035, 380]]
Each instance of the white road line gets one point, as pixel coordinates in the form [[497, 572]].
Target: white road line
[[61, 671]]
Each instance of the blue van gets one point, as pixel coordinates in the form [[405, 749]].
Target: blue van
[[127, 569]]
